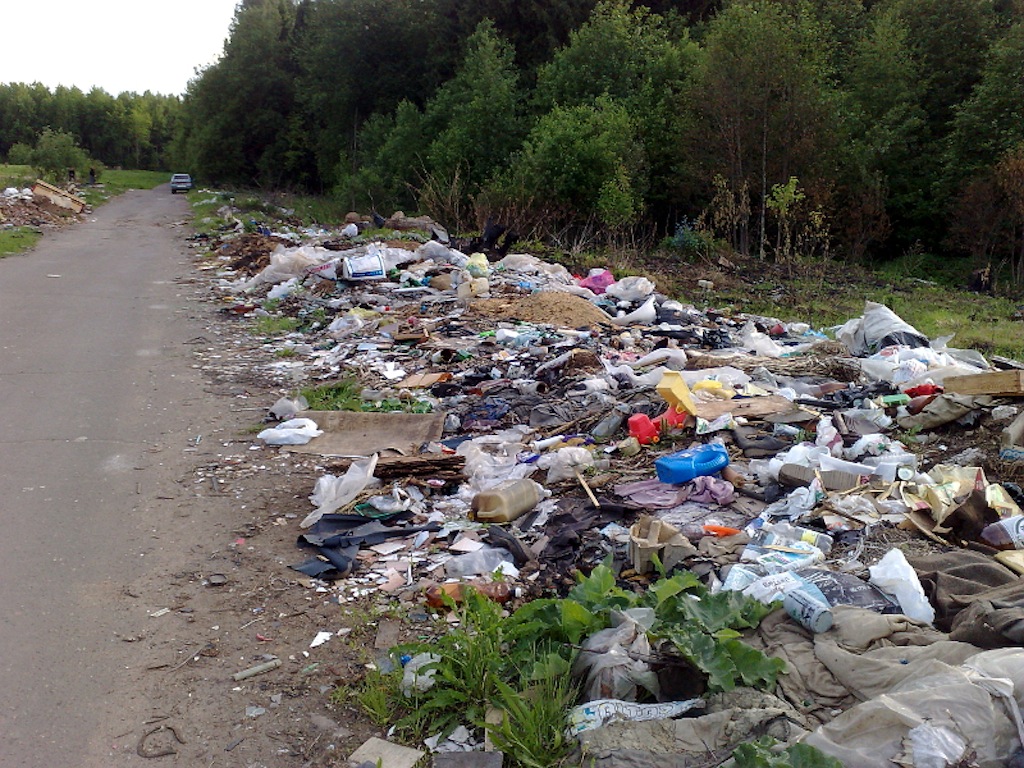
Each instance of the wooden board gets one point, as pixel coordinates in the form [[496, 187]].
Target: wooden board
[[751, 407], [1007, 383]]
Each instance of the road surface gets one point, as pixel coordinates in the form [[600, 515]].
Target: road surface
[[99, 404]]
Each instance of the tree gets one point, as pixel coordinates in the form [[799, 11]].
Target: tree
[[579, 166], [991, 121], [238, 108], [55, 153], [640, 61], [763, 108], [887, 129]]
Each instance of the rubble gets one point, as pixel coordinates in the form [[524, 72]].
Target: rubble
[[473, 374], [27, 208]]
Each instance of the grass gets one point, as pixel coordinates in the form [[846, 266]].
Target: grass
[[339, 396], [274, 326], [17, 239], [114, 182], [19, 176]]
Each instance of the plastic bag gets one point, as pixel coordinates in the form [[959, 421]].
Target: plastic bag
[[415, 680], [564, 463], [331, 493], [487, 560], [291, 432], [894, 575], [285, 409], [598, 280], [632, 288], [935, 746], [612, 658]]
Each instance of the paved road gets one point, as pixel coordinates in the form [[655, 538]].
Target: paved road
[[94, 372]]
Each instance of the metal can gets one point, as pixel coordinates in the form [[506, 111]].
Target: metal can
[[808, 611]]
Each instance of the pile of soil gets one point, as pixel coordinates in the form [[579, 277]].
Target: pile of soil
[[545, 308]]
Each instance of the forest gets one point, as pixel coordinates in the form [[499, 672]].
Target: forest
[[785, 129]]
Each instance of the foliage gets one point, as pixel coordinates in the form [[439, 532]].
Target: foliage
[[759, 754], [338, 396], [269, 325], [126, 130], [56, 153], [532, 732], [587, 159], [702, 626]]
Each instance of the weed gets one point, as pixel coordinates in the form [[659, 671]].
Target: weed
[[285, 352], [339, 396], [532, 732], [274, 326]]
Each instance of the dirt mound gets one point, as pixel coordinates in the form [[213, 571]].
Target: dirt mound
[[545, 308]]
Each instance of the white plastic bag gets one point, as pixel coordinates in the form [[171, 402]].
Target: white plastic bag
[[291, 432], [632, 288], [894, 575], [331, 493]]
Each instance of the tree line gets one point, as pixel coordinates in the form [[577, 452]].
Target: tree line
[[786, 128], [129, 130]]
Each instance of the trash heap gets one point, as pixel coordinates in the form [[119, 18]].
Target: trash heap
[[23, 208], [519, 428]]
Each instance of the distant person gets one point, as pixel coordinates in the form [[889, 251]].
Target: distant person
[[71, 175], [92, 177]]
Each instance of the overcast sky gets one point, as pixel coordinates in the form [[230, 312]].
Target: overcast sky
[[117, 45]]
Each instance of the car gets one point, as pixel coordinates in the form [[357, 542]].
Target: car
[[180, 182]]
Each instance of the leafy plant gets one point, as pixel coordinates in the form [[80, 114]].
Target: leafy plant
[[275, 326], [702, 626], [473, 658], [338, 396], [759, 754], [532, 733]]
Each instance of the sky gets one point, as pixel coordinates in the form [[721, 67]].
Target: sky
[[116, 45]]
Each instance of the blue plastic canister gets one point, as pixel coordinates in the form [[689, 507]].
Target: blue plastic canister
[[683, 466]]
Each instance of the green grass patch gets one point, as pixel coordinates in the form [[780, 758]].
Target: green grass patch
[[339, 396], [274, 326], [19, 176], [112, 183], [17, 239]]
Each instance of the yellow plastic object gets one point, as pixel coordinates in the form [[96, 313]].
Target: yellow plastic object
[[673, 389], [715, 388]]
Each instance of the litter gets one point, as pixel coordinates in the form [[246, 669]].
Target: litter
[[520, 421]]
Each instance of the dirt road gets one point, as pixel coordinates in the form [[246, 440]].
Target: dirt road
[[115, 648]]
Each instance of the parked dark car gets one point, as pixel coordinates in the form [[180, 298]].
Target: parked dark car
[[180, 182]]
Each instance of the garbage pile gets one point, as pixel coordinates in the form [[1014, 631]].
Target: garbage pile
[[515, 426], [22, 208]]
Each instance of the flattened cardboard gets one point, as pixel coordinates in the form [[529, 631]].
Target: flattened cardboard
[[353, 433]]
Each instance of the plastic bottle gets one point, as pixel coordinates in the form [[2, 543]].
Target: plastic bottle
[[1007, 533], [683, 466], [782, 534], [498, 591], [611, 423], [506, 502]]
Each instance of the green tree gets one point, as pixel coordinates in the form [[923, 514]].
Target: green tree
[[580, 166], [55, 153], [991, 121], [237, 110], [764, 108], [638, 59]]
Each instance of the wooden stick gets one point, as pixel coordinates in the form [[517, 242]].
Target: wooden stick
[[590, 493]]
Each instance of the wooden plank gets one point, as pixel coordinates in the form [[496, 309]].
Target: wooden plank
[[751, 407], [1007, 383]]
